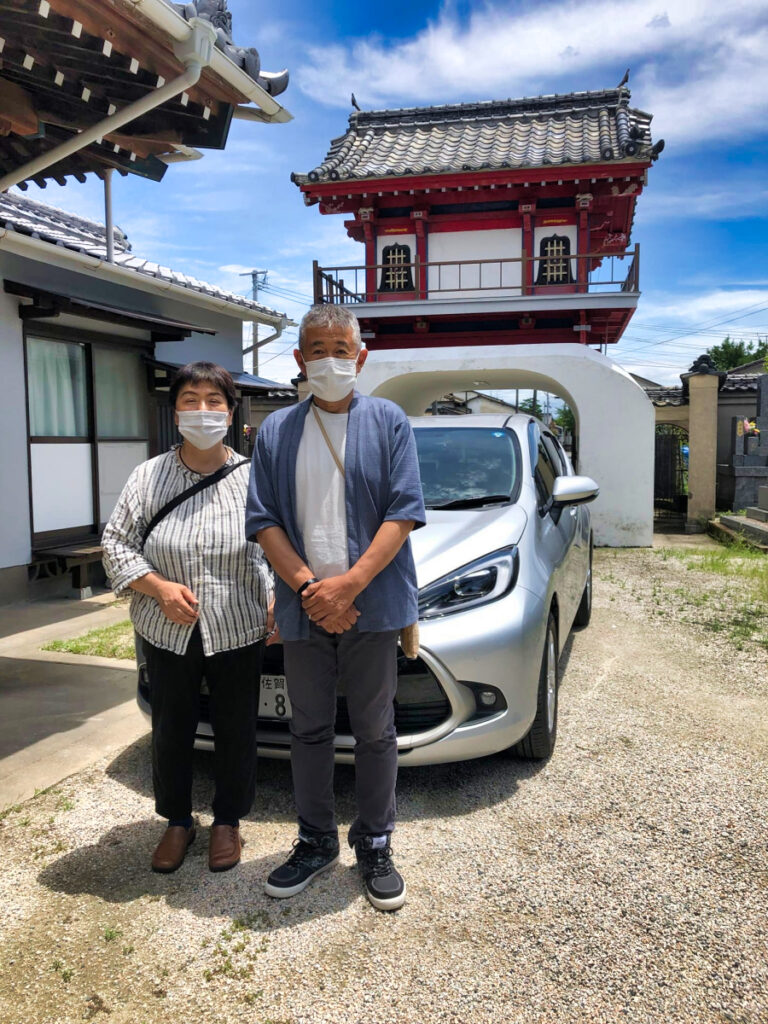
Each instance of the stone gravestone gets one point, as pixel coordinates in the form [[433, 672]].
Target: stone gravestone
[[749, 458], [749, 466]]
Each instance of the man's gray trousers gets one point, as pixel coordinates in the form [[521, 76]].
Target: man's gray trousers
[[365, 667]]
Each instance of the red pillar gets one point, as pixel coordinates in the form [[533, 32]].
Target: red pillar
[[582, 246], [421, 255], [527, 253], [370, 261]]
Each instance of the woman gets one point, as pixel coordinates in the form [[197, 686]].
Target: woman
[[201, 599]]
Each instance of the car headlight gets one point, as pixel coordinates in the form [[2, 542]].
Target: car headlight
[[480, 582]]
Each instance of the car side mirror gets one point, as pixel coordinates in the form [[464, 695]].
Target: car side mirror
[[573, 490]]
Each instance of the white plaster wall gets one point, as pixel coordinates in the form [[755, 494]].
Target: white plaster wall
[[494, 244], [615, 420], [15, 537]]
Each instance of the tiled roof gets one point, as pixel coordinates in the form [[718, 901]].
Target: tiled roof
[[661, 396], [741, 382], [581, 127], [30, 217], [263, 387], [667, 396]]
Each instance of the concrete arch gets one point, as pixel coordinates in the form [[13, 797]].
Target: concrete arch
[[615, 420]]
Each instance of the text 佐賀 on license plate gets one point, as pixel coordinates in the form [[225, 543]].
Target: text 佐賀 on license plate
[[273, 698]]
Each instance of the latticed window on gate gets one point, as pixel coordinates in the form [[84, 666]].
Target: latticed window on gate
[[396, 273], [554, 268]]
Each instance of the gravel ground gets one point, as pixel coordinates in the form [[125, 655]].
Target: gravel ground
[[625, 880]]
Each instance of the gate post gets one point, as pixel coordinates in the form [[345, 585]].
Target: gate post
[[703, 382]]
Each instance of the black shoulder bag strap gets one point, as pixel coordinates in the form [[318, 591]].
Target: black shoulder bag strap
[[207, 481]]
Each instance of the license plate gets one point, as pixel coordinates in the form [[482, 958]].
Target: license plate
[[273, 698]]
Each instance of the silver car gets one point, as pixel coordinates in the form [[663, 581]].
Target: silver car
[[505, 570]]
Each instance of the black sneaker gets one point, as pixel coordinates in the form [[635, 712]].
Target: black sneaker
[[383, 885], [312, 854]]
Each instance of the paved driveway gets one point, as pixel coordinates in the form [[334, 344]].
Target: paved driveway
[[59, 712]]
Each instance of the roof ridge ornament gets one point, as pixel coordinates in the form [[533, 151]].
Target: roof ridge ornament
[[215, 12]]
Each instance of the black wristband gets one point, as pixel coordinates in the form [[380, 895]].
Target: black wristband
[[305, 584]]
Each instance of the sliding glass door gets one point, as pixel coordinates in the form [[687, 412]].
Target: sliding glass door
[[88, 428]]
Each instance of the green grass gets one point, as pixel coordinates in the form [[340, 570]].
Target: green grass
[[110, 642], [740, 610], [738, 561]]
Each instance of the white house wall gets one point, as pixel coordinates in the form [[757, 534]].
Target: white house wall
[[615, 420], [493, 244], [63, 494], [14, 487]]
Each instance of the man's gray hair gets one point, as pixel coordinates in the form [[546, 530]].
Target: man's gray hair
[[327, 315]]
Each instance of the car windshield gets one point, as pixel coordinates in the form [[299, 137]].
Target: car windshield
[[466, 467]]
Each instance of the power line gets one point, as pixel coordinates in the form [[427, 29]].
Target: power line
[[288, 293], [278, 354], [745, 311]]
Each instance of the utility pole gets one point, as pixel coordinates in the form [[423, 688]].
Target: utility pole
[[258, 280]]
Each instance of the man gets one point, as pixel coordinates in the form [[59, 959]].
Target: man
[[334, 493]]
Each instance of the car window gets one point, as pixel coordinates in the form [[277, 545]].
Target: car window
[[545, 473], [467, 464], [553, 448], [566, 462]]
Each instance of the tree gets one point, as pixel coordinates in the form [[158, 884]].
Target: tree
[[528, 405], [729, 353], [566, 420]]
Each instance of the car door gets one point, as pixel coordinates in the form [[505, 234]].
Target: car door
[[555, 528], [578, 558]]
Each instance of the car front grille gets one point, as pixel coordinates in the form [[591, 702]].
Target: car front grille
[[420, 702]]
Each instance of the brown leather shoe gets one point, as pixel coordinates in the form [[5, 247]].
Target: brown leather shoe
[[172, 849], [225, 847]]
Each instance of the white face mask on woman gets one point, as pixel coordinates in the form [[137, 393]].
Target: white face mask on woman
[[203, 428], [331, 379]]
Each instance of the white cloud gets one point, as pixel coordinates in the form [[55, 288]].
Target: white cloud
[[701, 66], [742, 199], [704, 306], [666, 336], [235, 268]]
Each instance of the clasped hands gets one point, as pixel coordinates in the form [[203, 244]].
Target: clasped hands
[[330, 603]]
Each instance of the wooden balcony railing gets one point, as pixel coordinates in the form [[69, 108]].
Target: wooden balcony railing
[[578, 273]]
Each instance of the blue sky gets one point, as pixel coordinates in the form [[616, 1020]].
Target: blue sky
[[699, 66]]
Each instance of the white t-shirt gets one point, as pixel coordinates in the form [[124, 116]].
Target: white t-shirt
[[321, 510]]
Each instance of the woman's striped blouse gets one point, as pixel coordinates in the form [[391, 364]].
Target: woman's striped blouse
[[201, 544]]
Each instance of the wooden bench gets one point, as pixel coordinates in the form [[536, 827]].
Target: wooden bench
[[74, 558]]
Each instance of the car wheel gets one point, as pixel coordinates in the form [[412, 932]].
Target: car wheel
[[539, 742], [584, 611]]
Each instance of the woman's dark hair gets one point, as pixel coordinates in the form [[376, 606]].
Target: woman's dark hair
[[204, 373]]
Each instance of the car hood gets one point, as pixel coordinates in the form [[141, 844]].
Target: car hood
[[453, 538]]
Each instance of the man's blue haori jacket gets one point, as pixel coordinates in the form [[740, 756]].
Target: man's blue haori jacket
[[382, 483]]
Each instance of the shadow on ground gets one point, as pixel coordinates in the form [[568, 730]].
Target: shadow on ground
[[431, 791], [41, 698], [116, 870], [17, 618]]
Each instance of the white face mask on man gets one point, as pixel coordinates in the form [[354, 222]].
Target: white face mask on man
[[203, 428], [331, 379]]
